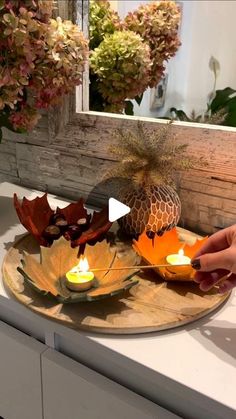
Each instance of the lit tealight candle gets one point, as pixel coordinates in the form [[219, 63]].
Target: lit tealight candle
[[79, 278], [178, 258]]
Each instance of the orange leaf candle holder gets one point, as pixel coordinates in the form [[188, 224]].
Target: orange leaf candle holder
[[158, 250]]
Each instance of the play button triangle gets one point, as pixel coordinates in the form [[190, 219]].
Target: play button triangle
[[116, 209]]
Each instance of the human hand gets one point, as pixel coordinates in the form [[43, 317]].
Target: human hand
[[215, 259]]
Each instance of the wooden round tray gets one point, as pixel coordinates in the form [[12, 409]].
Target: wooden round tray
[[152, 305]]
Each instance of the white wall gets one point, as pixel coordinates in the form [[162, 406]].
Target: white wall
[[114, 4], [208, 29], [126, 6]]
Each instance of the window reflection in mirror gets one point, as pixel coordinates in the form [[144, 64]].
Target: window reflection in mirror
[[164, 59]]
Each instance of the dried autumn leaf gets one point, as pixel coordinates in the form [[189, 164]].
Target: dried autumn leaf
[[155, 251], [34, 215], [73, 211], [99, 225], [48, 275]]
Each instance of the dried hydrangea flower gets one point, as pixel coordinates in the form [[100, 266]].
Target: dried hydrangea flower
[[103, 20], [122, 64], [42, 59], [157, 23]]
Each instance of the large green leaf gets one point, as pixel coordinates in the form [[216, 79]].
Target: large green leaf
[[225, 99], [230, 119], [221, 99], [129, 107]]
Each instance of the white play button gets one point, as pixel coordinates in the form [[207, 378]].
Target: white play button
[[116, 209]]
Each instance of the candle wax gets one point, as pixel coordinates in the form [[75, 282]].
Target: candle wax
[[79, 277], [177, 259], [79, 281]]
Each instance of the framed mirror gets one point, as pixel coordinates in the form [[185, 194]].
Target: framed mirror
[[162, 59]]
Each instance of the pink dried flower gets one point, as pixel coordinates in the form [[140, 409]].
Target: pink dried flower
[[41, 60], [157, 23], [24, 119]]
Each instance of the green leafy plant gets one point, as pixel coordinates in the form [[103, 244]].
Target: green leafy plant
[[209, 117], [221, 106], [155, 31], [220, 111], [41, 60]]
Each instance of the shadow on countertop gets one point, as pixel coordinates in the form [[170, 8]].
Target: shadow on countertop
[[219, 338]]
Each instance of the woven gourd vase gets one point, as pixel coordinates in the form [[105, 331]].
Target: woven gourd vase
[[154, 209]]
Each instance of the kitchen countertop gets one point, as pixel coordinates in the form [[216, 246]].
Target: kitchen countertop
[[189, 370]]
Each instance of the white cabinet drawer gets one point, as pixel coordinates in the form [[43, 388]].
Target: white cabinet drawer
[[20, 375], [73, 391]]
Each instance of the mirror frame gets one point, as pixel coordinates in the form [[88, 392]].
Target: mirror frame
[[78, 11]]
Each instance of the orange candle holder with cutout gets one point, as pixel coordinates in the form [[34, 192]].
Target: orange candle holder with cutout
[[168, 249]]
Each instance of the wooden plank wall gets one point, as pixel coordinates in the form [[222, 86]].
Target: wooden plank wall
[[71, 162]]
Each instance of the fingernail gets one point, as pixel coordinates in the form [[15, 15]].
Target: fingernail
[[196, 264]]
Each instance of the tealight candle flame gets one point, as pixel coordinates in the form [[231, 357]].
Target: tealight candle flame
[[181, 252], [178, 258], [175, 261], [83, 265], [79, 278]]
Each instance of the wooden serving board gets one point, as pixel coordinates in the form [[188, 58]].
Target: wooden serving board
[[152, 305]]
